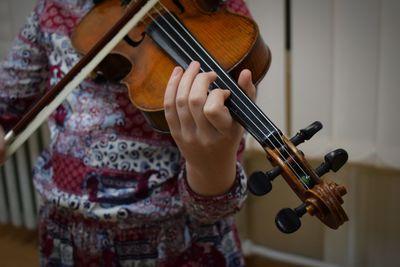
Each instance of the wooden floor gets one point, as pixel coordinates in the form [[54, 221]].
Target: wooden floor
[[18, 247]]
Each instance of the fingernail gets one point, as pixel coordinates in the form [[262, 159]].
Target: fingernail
[[194, 63], [176, 71]]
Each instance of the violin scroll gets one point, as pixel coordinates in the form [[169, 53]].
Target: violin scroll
[[321, 198]]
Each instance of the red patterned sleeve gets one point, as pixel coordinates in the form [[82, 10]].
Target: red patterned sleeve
[[209, 209], [238, 6], [23, 72]]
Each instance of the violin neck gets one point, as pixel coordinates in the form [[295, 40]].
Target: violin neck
[[177, 41], [249, 115]]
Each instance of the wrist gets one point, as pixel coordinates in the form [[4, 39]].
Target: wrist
[[211, 179]]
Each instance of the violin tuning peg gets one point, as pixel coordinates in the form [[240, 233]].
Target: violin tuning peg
[[306, 133], [333, 161], [337, 158], [288, 220], [260, 183]]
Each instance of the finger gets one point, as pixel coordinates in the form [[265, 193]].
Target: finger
[[182, 103], [171, 114], [216, 112], [198, 97], [246, 83]]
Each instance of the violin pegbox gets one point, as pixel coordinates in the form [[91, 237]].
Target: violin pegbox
[[320, 197]]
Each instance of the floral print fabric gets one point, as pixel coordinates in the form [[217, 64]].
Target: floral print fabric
[[114, 190]]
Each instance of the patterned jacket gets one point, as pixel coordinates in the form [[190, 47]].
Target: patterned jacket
[[104, 161]]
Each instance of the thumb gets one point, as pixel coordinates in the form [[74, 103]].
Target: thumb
[[246, 83]]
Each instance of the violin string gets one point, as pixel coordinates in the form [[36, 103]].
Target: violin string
[[183, 50], [184, 40], [255, 125], [227, 76], [281, 144], [194, 50]]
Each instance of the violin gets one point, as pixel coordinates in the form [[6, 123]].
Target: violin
[[174, 32], [218, 39]]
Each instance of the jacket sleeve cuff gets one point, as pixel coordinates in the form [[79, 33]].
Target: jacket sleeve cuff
[[208, 209]]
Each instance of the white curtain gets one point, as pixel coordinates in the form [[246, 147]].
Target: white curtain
[[344, 72]]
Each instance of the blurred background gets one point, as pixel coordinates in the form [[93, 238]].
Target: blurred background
[[334, 61]]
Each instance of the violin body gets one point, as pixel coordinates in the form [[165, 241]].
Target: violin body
[[232, 39]]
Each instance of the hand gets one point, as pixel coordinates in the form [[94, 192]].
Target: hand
[[203, 129], [2, 146]]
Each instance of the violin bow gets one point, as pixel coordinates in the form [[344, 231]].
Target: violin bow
[[29, 123]]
